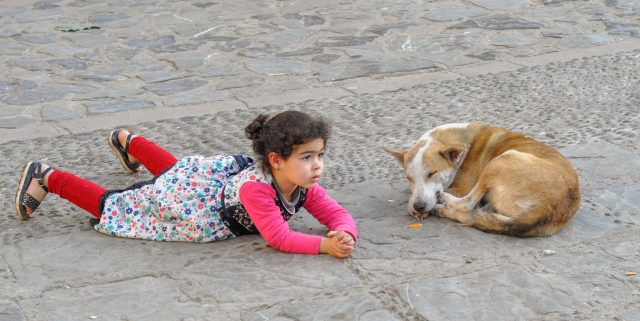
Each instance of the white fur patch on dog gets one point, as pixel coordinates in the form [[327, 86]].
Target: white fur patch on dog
[[502, 218], [452, 125]]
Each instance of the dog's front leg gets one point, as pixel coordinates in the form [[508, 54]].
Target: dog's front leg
[[460, 208], [454, 208]]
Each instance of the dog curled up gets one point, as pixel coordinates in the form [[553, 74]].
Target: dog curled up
[[490, 178]]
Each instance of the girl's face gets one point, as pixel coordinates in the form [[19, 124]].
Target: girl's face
[[304, 166]]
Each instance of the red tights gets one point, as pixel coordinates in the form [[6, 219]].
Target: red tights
[[87, 195]]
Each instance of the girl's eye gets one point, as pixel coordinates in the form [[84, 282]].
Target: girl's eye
[[307, 157], [321, 155]]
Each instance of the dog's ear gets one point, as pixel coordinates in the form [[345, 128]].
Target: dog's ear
[[454, 154], [397, 153]]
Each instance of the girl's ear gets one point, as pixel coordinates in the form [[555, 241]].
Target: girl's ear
[[275, 160]]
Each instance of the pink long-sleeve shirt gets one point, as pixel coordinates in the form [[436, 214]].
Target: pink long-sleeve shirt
[[258, 199]]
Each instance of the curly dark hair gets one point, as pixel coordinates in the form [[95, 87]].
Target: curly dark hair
[[282, 132]]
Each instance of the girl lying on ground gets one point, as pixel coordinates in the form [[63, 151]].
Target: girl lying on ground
[[204, 199]]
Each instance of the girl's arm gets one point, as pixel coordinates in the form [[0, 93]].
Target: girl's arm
[[328, 212], [258, 199]]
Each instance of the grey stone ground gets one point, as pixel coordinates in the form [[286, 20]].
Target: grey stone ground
[[190, 75]]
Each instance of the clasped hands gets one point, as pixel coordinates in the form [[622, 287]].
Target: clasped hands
[[337, 243]]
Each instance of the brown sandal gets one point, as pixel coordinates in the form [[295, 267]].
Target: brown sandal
[[32, 170], [123, 153]]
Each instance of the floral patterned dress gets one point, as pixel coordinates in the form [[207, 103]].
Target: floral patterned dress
[[184, 203]]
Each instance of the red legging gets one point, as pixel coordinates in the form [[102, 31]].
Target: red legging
[[86, 194]]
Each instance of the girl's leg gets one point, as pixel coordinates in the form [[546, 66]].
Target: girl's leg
[[79, 191], [152, 156], [39, 179]]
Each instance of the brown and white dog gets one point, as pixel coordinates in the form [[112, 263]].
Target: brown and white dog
[[493, 179]]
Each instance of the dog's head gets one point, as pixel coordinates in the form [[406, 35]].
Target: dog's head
[[430, 166]]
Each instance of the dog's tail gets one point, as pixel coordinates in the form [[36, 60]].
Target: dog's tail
[[539, 221], [500, 224]]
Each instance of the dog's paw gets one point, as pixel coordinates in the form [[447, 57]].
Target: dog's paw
[[438, 210], [451, 202], [446, 198]]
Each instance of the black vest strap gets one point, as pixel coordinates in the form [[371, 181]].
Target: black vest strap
[[233, 225]]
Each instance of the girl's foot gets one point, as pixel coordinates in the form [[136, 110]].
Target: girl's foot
[[124, 140], [116, 140], [32, 189]]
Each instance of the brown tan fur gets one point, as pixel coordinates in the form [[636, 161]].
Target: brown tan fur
[[504, 182]]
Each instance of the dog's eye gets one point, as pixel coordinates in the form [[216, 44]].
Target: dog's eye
[[409, 179], [431, 174]]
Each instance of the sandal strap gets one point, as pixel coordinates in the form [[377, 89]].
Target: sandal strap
[[41, 179], [122, 150], [126, 143], [39, 175], [30, 202]]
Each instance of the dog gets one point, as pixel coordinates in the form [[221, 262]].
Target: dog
[[490, 178]]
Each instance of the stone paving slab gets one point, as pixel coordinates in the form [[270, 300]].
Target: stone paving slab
[[329, 306]]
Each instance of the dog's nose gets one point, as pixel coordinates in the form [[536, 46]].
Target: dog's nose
[[419, 206]]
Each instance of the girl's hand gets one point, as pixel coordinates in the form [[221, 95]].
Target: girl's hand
[[342, 236], [337, 243]]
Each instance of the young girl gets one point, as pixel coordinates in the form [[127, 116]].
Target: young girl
[[204, 199]]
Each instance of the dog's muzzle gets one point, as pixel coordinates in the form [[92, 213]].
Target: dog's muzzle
[[419, 209], [419, 206]]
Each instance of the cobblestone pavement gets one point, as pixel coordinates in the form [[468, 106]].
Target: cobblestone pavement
[[190, 75], [129, 54]]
